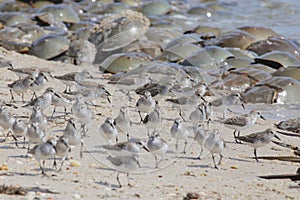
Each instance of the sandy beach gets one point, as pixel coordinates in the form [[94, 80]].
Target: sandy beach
[[177, 175]]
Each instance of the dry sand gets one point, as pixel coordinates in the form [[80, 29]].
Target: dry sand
[[237, 177]]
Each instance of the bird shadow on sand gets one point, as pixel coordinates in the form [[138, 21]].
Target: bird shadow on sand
[[204, 166], [6, 147], [106, 184]]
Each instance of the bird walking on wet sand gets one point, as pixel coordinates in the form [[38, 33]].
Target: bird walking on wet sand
[[62, 150], [20, 86], [73, 135], [258, 139], [43, 151], [109, 131], [215, 144], [128, 148], [153, 120], [200, 137], [242, 121], [158, 147], [122, 121], [125, 164], [145, 104], [179, 132]]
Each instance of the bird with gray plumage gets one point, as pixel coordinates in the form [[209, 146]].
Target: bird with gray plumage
[[180, 132], [70, 79], [241, 122], [158, 147], [73, 135], [145, 104], [153, 120], [129, 148], [62, 149], [222, 104], [20, 86], [125, 164], [38, 117], [258, 139], [19, 129], [109, 131], [122, 121], [200, 137], [215, 144], [34, 135], [43, 151]]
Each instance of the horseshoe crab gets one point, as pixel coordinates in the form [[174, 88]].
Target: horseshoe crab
[[237, 38], [281, 90], [238, 80], [118, 31], [273, 44], [123, 62], [62, 12], [290, 125], [260, 33], [49, 46]]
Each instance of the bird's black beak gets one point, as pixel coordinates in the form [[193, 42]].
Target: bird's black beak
[[146, 149], [262, 117], [277, 137]]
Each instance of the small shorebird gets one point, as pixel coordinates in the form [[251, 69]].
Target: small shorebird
[[43, 151], [122, 121], [43, 101], [200, 136], [129, 148], [242, 121], [37, 116], [125, 164], [62, 149], [35, 135], [73, 135], [215, 144], [158, 147], [186, 103], [145, 104], [20, 86], [153, 120], [179, 132], [71, 78], [258, 139], [109, 131], [221, 104]]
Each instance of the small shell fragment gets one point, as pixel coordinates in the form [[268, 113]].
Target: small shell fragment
[[75, 163]]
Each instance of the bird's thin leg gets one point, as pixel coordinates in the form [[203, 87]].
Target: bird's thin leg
[[12, 96], [255, 155], [23, 98], [201, 150], [24, 142], [156, 162], [176, 145], [118, 180], [81, 147], [43, 168], [53, 111], [221, 156], [16, 140], [140, 116], [128, 179], [54, 162], [213, 157], [184, 150]]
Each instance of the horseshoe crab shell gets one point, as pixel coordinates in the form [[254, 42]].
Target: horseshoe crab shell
[[49, 46], [63, 12], [282, 90]]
